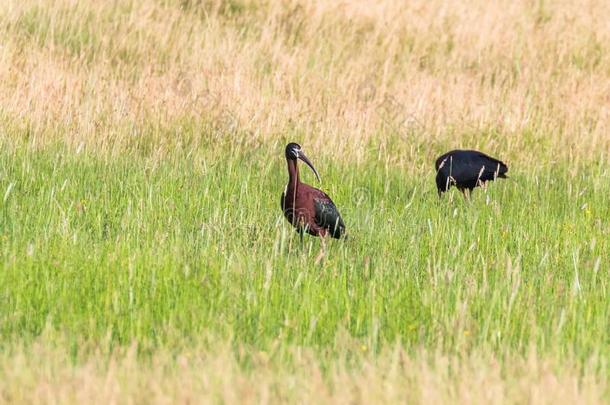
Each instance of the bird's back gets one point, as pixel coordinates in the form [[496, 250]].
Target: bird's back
[[466, 168], [326, 213], [314, 207]]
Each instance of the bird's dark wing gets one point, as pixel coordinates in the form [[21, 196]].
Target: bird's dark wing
[[485, 167], [468, 167], [327, 215], [493, 166]]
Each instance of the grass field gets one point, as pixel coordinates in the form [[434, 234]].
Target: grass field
[[144, 256]]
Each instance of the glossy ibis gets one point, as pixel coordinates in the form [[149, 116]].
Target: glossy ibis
[[307, 208], [466, 169]]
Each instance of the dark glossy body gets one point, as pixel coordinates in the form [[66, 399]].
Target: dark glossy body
[[307, 208], [467, 169]]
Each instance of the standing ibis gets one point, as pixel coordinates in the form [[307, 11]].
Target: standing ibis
[[307, 208], [466, 169]]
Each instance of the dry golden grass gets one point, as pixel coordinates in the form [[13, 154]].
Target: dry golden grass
[[531, 76], [46, 374]]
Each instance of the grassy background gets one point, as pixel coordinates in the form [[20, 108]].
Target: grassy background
[[142, 247]]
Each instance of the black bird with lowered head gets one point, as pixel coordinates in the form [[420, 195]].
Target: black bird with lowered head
[[307, 208], [467, 169]]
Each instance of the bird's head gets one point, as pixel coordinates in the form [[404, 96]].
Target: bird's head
[[294, 152]]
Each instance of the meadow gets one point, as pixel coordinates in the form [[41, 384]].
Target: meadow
[[143, 252]]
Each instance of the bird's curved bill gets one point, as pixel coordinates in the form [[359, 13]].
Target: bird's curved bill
[[308, 163]]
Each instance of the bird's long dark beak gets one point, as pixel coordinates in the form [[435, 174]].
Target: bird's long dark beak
[[308, 163]]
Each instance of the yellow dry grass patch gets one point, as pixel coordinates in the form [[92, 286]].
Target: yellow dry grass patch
[[527, 77], [46, 374]]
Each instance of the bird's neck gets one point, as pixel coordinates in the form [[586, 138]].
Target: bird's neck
[[293, 173]]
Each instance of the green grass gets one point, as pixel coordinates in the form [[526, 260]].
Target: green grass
[[169, 253]]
